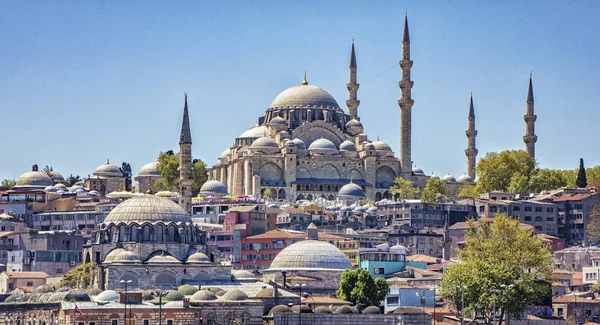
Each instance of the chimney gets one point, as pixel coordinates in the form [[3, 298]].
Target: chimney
[[34, 167]]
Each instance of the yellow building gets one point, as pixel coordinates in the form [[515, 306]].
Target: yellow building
[[350, 249]]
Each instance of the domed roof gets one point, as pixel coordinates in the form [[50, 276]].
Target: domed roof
[[213, 186], [322, 144], [322, 310], [304, 308], [418, 171], [299, 143], [226, 153], [77, 295], [60, 186], [203, 295], [256, 132], [344, 310], [372, 310], [399, 249], [34, 178], [120, 255], [108, 170], [347, 146], [56, 176], [267, 293], [380, 145], [354, 123], [372, 210], [50, 189], [310, 255], [149, 169], [304, 95], [264, 142], [163, 258], [434, 176], [280, 309], [108, 295], [465, 179], [242, 274], [278, 120], [351, 190], [198, 258], [147, 208], [449, 178], [235, 294], [369, 146]]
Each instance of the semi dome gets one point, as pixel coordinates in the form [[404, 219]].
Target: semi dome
[[256, 132], [226, 153], [351, 190], [449, 178], [34, 178], [108, 170], [322, 144], [465, 179], [149, 169], [198, 258], [299, 143], [147, 208], [347, 146], [380, 145], [310, 255], [162, 258], [264, 142], [304, 95], [213, 186], [120, 255]]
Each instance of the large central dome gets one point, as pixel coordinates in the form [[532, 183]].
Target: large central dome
[[304, 95], [147, 208], [310, 255]]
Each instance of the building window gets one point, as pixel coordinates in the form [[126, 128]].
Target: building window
[[379, 270], [114, 322], [146, 322], [170, 322], [516, 208], [92, 323], [528, 209], [527, 218], [538, 209], [560, 312], [392, 300], [550, 210], [30, 284]]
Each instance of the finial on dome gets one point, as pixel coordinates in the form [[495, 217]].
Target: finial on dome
[[304, 82], [107, 161]]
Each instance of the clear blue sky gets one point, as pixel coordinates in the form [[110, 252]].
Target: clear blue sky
[[83, 81]]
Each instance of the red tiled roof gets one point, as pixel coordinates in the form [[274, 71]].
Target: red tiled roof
[[574, 197], [422, 258], [27, 275], [573, 299], [278, 233]]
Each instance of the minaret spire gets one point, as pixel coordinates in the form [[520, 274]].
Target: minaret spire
[[353, 102], [530, 138], [405, 103], [185, 162], [471, 151]]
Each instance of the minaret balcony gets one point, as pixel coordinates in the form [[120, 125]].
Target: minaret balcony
[[471, 133], [530, 118], [406, 64], [403, 84], [530, 138]]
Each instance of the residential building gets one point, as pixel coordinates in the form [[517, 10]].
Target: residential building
[[408, 296], [383, 260], [417, 214], [293, 218], [350, 248], [575, 258], [83, 216], [543, 216], [574, 212], [591, 274], [28, 280], [579, 308]]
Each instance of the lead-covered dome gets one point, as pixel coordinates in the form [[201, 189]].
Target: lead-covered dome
[[347, 146], [149, 169], [351, 190], [120, 255], [198, 258], [310, 255], [304, 95], [322, 144], [380, 145], [56, 176], [34, 178], [108, 170], [264, 142], [213, 187], [465, 179], [147, 208], [255, 132]]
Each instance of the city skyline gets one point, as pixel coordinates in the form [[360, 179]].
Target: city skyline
[[88, 90]]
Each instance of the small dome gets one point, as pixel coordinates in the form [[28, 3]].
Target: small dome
[[120, 255], [372, 310], [50, 189], [267, 293], [147, 208], [220, 293], [372, 210], [354, 123], [55, 297], [299, 143], [407, 311], [235, 294], [449, 178], [305, 309], [434, 176], [149, 169], [370, 146], [351, 190], [418, 171], [226, 153], [264, 142], [34, 178], [187, 289], [344, 310], [174, 295], [304, 95], [56, 176], [290, 143], [213, 186], [322, 144], [198, 258], [77, 295], [279, 309], [310, 255], [278, 120], [163, 258], [382, 146], [347, 146], [465, 179], [256, 132], [45, 288], [399, 249], [60, 186], [108, 295], [203, 295], [108, 170], [322, 310], [242, 274]]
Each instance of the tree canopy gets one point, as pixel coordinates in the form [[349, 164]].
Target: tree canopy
[[8, 182], [358, 287], [433, 187], [80, 277], [593, 226], [508, 170], [581, 177], [404, 189], [126, 170], [71, 180], [502, 255], [168, 166]]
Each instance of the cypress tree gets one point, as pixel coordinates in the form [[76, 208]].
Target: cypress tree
[[581, 181]]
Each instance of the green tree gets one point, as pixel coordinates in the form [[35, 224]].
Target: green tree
[[501, 256], [546, 179], [404, 189], [80, 277], [71, 180], [433, 187], [596, 287], [267, 193], [48, 170], [168, 166], [496, 170], [468, 190], [8, 182], [358, 287], [581, 181], [126, 170], [593, 226], [199, 175]]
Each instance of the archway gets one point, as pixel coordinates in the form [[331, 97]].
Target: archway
[[165, 280], [384, 176], [281, 194], [130, 276], [378, 196]]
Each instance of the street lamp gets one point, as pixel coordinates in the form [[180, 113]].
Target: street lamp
[[505, 288], [434, 303], [125, 293], [495, 292], [462, 305], [422, 296], [160, 295], [299, 287]]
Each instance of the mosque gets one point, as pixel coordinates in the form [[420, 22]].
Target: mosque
[[306, 146]]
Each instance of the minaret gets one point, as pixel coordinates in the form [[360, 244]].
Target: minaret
[[352, 86], [185, 162], [471, 133], [530, 138], [405, 103]]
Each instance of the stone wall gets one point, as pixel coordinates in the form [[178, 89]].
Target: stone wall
[[167, 276], [349, 319]]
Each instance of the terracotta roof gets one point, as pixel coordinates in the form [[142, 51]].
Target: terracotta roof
[[279, 233], [26, 275], [439, 266], [293, 210], [561, 271], [274, 210], [577, 278], [573, 299], [325, 300], [574, 197], [8, 233], [422, 258]]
